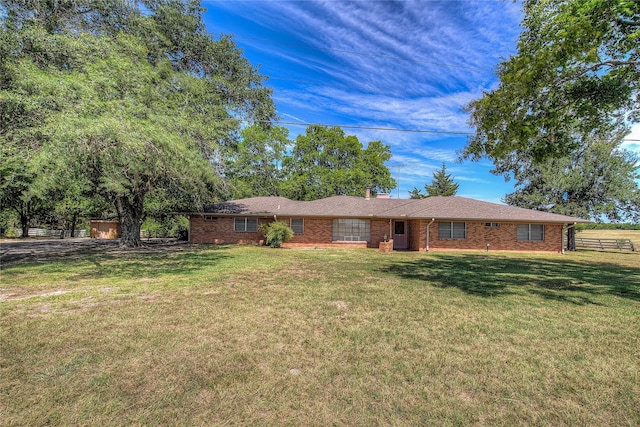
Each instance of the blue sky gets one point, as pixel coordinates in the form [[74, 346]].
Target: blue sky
[[409, 64]]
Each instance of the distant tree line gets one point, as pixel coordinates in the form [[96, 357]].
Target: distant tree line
[[608, 226]]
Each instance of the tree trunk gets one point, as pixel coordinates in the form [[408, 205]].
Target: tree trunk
[[23, 213], [571, 239], [74, 219], [130, 211], [63, 227], [24, 224]]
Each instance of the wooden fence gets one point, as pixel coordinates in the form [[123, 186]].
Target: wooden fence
[[603, 244], [43, 232]]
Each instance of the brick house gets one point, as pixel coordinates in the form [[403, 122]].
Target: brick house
[[431, 224]]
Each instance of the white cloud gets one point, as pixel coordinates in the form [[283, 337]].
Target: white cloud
[[411, 64], [471, 179]]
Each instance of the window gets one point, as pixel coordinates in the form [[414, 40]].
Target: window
[[297, 225], [452, 230], [534, 232], [398, 228], [351, 230], [492, 224], [245, 225], [210, 218]]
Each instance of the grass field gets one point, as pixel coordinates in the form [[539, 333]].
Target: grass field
[[634, 235], [232, 335]]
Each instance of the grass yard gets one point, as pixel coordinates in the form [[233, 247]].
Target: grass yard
[[238, 335]]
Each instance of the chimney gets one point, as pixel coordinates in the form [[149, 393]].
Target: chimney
[[367, 194]]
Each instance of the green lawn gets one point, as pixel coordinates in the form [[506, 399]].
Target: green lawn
[[232, 335]]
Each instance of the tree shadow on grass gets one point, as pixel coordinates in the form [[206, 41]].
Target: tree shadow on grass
[[110, 260], [491, 276], [150, 265]]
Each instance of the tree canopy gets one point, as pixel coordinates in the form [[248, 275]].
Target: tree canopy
[[576, 73], [595, 182], [134, 107], [442, 184], [564, 102], [325, 162], [254, 166]]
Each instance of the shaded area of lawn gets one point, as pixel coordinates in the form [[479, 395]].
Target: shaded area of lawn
[[155, 264], [111, 266], [21, 251], [559, 279]]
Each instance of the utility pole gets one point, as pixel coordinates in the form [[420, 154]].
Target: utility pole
[[398, 165]]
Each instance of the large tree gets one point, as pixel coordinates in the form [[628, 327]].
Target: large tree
[[16, 192], [596, 181], [135, 105], [325, 162], [576, 71], [442, 184], [254, 166]]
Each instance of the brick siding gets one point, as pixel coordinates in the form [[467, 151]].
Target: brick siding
[[502, 238], [318, 232], [221, 231]]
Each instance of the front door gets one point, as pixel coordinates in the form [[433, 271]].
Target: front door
[[400, 240]]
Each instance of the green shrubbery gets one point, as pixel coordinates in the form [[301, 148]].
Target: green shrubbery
[[276, 233], [170, 226]]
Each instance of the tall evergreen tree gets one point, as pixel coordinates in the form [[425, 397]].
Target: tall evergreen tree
[[442, 184]]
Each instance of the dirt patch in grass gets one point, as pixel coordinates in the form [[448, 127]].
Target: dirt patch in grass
[[340, 305]]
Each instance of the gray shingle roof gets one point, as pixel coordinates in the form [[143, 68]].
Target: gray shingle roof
[[252, 206], [454, 208]]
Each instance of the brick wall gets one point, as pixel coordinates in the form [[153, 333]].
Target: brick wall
[[502, 238], [379, 228], [221, 231], [318, 232], [417, 235]]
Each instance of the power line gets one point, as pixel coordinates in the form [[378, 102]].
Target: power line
[[369, 128], [387, 129]]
